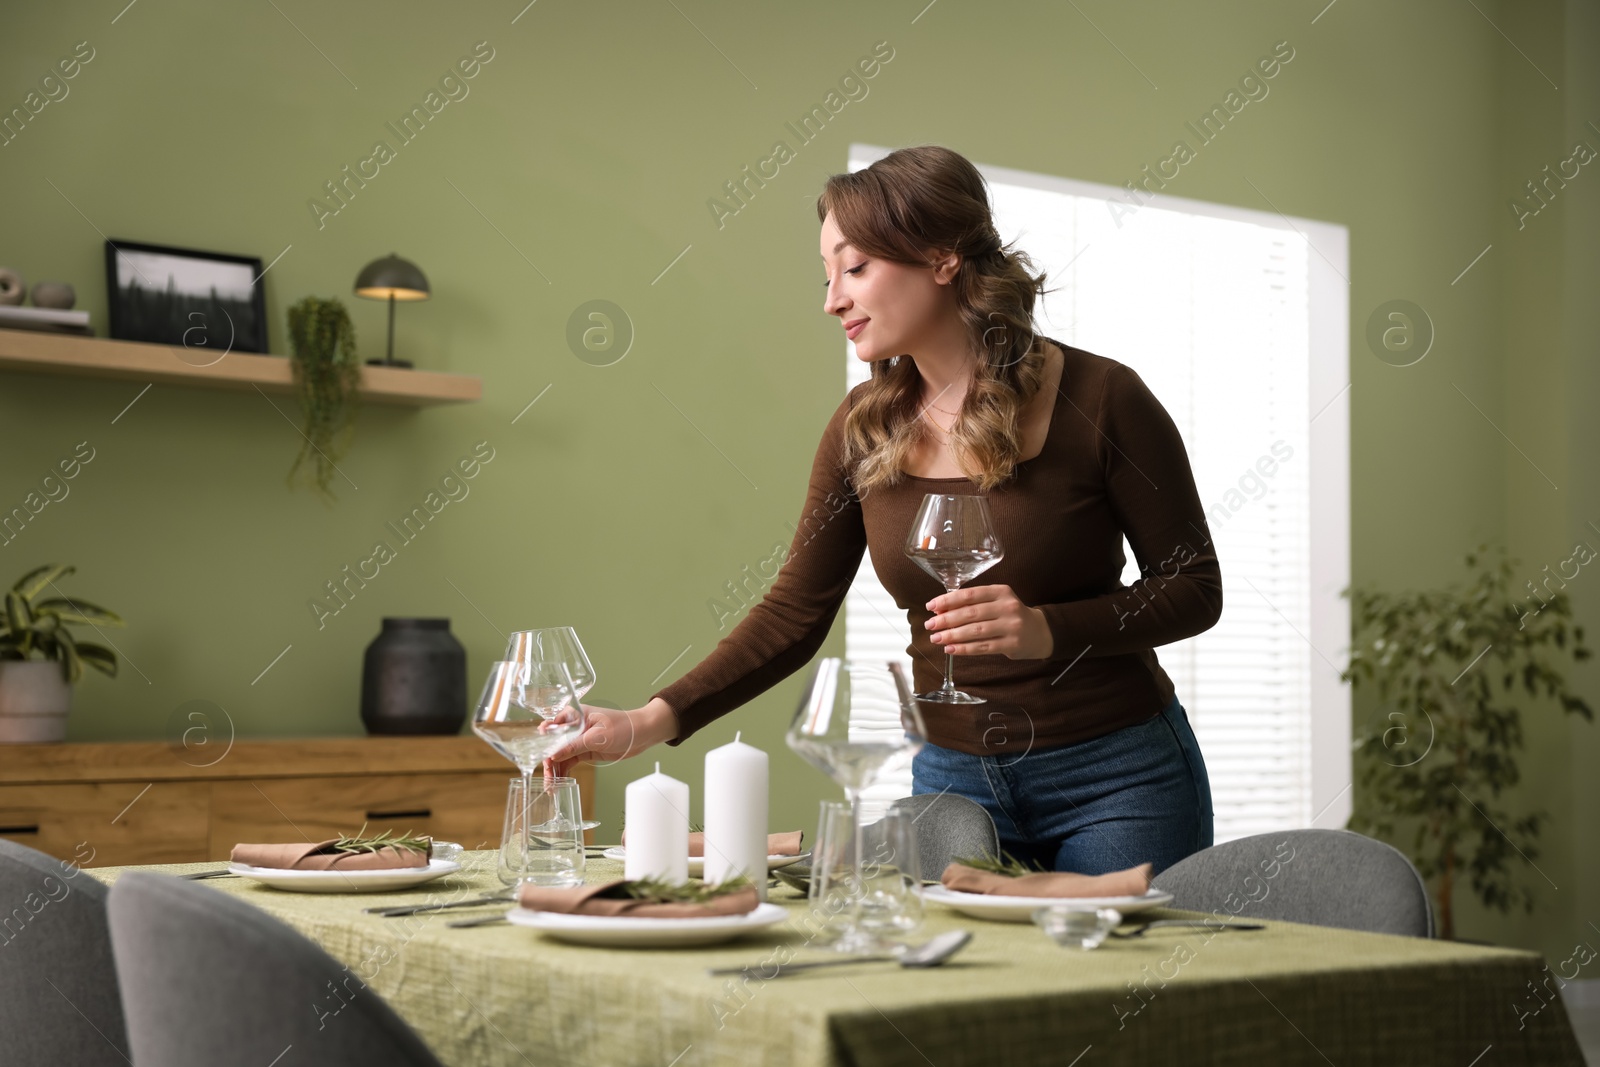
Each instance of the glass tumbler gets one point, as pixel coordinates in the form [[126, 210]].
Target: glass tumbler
[[831, 894], [543, 840], [891, 875]]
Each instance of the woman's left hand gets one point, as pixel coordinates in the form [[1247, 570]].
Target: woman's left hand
[[989, 620]]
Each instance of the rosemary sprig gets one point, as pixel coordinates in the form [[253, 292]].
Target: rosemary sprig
[[359, 843], [694, 827], [1005, 864], [659, 892]]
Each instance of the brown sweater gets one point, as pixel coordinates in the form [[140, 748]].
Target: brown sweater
[[1113, 465]]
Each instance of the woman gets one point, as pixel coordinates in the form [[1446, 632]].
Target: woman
[[1082, 752]]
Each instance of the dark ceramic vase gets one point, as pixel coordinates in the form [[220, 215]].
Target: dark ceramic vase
[[414, 679]]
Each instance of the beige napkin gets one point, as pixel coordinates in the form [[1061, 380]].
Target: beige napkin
[[319, 857], [610, 900], [1133, 882], [777, 844]]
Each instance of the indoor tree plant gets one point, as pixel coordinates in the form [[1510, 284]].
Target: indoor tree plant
[[40, 658], [327, 376], [1446, 664]]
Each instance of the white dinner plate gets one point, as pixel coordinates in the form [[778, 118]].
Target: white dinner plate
[[346, 881], [620, 931], [1021, 909], [697, 864]]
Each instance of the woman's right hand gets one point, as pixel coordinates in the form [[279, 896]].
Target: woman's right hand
[[612, 735]]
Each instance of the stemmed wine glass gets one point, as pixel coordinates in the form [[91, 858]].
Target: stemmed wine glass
[[550, 643], [953, 539], [855, 720], [528, 710]]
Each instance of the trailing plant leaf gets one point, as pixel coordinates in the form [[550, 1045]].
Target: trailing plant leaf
[[99, 657], [34, 582], [77, 611], [71, 660], [327, 379]]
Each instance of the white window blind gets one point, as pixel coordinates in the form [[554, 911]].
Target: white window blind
[[1213, 308]]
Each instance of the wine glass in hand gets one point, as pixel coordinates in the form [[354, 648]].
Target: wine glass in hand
[[555, 643], [528, 710], [953, 539]]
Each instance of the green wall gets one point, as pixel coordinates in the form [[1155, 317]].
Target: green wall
[[1550, 99], [580, 165]]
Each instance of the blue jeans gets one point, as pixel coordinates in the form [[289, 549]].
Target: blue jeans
[[1136, 794]]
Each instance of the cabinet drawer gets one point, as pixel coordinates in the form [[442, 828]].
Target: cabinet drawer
[[466, 808], [109, 823]]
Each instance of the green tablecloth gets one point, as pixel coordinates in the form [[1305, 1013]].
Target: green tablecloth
[[1288, 994]]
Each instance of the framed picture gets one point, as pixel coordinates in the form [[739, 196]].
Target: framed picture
[[180, 296]]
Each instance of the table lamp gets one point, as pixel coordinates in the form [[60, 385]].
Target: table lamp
[[391, 278]]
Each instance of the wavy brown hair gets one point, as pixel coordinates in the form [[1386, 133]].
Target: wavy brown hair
[[915, 206]]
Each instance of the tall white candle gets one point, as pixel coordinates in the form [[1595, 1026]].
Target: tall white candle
[[657, 820], [736, 814]]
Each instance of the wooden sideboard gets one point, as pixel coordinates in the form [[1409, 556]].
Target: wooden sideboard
[[103, 804]]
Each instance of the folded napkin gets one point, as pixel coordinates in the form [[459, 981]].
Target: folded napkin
[[321, 857], [1133, 882], [777, 844], [611, 899]]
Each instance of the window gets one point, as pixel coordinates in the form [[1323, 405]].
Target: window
[[1238, 322]]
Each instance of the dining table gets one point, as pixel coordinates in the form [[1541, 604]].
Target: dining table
[[1287, 993]]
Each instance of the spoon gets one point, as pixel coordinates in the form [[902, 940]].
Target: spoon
[[931, 954]]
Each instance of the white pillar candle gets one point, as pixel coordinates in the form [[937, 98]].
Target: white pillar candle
[[736, 814], [657, 818]]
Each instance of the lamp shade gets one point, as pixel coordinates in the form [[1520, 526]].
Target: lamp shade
[[394, 277]]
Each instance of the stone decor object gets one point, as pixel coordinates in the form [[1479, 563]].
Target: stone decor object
[[12, 288], [57, 295]]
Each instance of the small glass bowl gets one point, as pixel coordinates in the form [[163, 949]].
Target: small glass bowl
[[1072, 927]]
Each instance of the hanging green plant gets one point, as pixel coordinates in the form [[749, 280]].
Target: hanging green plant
[[327, 377]]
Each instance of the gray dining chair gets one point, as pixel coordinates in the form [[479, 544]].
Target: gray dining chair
[[58, 988], [208, 978], [949, 827], [1322, 877]]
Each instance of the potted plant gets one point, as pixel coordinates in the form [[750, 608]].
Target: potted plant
[[327, 378], [39, 657], [1445, 664]]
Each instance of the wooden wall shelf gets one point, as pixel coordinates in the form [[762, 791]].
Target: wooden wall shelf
[[38, 352]]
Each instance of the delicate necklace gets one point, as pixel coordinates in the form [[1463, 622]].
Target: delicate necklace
[[934, 424]]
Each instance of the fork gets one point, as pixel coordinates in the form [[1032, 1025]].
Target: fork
[[397, 910]]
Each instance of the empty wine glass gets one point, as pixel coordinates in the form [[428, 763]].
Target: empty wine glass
[[527, 711], [855, 721], [953, 539], [556, 642]]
